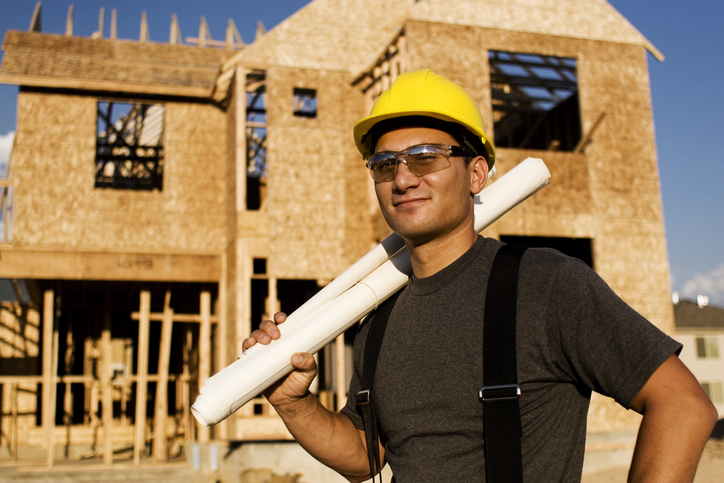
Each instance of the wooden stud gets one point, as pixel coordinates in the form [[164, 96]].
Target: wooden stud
[[340, 372], [114, 25], [106, 387], [144, 28], [160, 445], [185, 387], [233, 38], [174, 37], [14, 444], [260, 31], [69, 22], [48, 379], [589, 135], [142, 377], [101, 24], [35, 23], [205, 353]]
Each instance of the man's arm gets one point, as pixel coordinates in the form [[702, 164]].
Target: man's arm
[[328, 436], [678, 419]]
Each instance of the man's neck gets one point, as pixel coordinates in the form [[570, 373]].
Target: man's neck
[[430, 257]]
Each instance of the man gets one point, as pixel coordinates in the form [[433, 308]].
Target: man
[[428, 153]]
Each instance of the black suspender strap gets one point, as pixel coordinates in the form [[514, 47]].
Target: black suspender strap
[[500, 391], [364, 396]]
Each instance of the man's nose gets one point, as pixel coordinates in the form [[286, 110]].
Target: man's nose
[[404, 177]]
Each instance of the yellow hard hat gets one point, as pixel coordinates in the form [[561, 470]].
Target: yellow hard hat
[[426, 96]]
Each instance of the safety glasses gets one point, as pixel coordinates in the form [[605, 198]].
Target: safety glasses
[[420, 160]]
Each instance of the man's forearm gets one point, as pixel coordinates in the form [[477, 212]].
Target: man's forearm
[[328, 436], [678, 420]]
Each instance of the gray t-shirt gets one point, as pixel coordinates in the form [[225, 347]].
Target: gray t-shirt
[[574, 336]]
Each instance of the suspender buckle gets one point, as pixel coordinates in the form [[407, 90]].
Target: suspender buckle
[[503, 392], [363, 398]]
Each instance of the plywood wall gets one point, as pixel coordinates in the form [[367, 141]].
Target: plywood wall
[[57, 205]]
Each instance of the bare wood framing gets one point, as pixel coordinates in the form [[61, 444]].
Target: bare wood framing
[[160, 446], [174, 37], [205, 352], [35, 23], [144, 37], [142, 377], [114, 25], [106, 388], [48, 374], [69, 22], [589, 135], [340, 372]]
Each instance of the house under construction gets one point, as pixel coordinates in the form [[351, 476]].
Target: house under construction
[[163, 199]]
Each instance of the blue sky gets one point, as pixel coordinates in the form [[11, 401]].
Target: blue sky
[[686, 92]]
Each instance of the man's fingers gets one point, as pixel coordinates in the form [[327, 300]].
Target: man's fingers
[[303, 361]]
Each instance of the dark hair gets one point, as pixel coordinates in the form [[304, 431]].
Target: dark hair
[[464, 137]]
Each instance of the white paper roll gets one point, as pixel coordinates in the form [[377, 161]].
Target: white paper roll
[[356, 292]]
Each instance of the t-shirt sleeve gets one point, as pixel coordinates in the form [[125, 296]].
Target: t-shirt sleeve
[[607, 345]]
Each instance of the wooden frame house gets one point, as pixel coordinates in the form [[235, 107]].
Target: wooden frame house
[[164, 198]]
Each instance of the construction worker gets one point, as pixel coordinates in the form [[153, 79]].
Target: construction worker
[[428, 154]]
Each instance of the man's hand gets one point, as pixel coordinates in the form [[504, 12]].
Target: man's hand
[[294, 386]]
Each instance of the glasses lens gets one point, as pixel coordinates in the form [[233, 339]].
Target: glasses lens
[[421, 160]]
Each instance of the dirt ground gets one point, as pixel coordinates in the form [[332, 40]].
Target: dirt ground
[[711, 467]]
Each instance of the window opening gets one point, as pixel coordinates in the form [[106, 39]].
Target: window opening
[[713, 391], [707, 347], [256, 167], [535, 101], [259, 266], [573, 247], [129, 146], [305, 103]]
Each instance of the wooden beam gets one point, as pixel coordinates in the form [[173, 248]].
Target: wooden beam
[[48, 410], [68, 265], [69, 22], [205, 352], [35, 23], [589, 135], [142, 377], [106, 387], [233, 37], [160, 446], [188, 318]]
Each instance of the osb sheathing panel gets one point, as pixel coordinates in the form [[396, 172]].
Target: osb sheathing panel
[[314, 201], [612, 193], [329, 35], [582, 19], [36, 56], [56, 204]]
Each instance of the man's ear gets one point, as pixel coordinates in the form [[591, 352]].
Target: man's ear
[[478, 174]]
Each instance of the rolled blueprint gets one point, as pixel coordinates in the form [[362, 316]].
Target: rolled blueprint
[[344, 301]]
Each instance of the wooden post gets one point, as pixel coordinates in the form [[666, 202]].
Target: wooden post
[[160, 449], [144, 323], [340, 372], [48, 374], [15, 423], [205, 353], [106, 387], [185, 387]]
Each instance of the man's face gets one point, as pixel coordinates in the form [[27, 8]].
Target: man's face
[[436, 205]]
